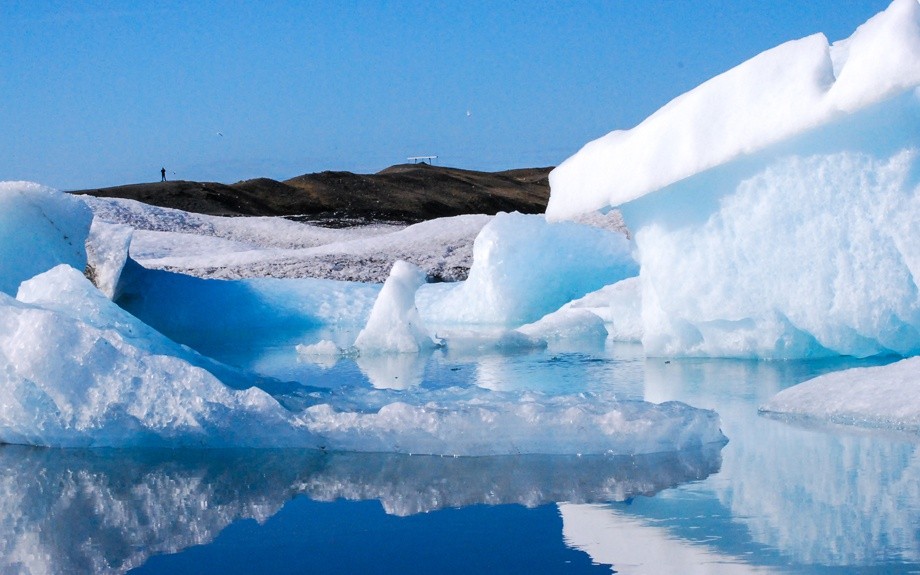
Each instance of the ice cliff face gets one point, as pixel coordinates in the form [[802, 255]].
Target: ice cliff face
[[776, 207]]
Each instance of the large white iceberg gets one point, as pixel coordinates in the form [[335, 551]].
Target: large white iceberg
[[775, 208]]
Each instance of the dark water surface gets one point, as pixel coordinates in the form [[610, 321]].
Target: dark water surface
[[779, 497]]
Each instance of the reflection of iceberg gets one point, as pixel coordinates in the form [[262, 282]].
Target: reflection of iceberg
[[633, 546], [393, 370], [826, 499], [815, 497], [101, 511], [81, 511], [413, 484]]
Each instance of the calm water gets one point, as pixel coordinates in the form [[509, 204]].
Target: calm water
[[779, 497]]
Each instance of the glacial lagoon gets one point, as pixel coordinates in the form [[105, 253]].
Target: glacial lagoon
[[779, 496]]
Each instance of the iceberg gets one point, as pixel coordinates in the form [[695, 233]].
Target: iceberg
[[775, 207], [394, 325], [70, 383], [880, 396], [39, 229], [525, 267], [82, 370]]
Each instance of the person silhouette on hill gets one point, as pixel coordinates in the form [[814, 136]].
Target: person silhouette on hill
[[162, 174]]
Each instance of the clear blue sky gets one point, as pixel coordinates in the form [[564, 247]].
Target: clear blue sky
[[104, 93]]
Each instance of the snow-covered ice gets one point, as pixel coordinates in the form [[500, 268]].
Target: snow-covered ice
[[779, 93], [883, 396], [233, 248], [776, 207]]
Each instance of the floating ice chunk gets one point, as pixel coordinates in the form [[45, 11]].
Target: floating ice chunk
[[885, 396], [39, 229], [567, 324], [67, 383], [524, 267], [775, 95], [324, 348], [106, 253], [394, 325], [774, 207]]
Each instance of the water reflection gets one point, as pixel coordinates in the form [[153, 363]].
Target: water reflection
[[637, 546], [107, 511], [828, 496], [393, 370]]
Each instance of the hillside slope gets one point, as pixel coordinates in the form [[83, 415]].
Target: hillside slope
[[406, 193]]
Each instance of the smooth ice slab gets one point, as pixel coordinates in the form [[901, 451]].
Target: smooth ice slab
[[884, 396]]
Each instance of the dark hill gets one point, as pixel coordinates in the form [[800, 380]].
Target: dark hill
[[404, 193]]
